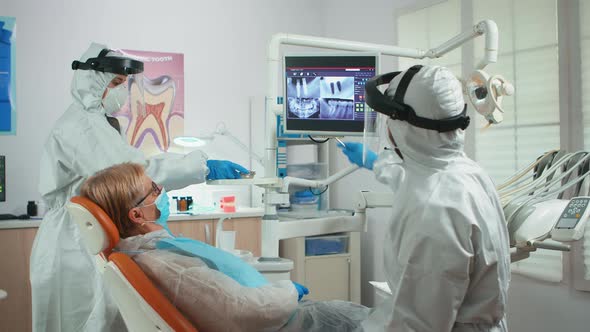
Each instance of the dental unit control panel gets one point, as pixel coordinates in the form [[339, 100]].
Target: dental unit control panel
[[571, 223]]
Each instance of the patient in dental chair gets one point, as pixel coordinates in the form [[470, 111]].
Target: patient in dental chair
[[215, 290]]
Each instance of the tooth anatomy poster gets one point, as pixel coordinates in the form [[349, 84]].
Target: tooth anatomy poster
[[154, 114]]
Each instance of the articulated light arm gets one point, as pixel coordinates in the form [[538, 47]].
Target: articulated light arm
[[487, 27], [288, 180], [221, 130]]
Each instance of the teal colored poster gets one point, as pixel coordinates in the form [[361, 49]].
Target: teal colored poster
[[7, 75]]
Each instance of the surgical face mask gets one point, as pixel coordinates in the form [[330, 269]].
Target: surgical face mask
[[115, 99], [163, 205]]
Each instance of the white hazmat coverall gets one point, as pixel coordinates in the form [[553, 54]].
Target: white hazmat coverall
[[446, 252], [67, 290]]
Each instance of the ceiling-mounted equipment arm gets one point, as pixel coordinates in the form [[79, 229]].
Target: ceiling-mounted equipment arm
[[487, 27]]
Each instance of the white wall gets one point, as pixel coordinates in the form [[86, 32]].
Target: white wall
[[224, 44]]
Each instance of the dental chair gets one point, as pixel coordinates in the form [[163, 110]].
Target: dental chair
[[142, 305]]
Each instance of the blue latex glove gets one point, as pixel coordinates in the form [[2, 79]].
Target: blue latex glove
[[302, 290], [354, 152], [224, 169]]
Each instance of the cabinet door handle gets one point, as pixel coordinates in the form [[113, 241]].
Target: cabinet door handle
[[207, 234], [349, 278]]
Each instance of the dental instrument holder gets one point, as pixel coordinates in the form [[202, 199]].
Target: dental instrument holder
[[538, 221], [271, 231]]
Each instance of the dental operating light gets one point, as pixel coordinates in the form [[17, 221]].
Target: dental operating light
[[220, 130], [485, 92], [189, 141]]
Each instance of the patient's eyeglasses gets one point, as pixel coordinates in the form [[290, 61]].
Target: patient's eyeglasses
[[156, 190]]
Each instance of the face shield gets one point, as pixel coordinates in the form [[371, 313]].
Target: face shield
[[126, 88], [135, 86], [375, 134]]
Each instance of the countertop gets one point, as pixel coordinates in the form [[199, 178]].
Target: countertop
[[240, 213]]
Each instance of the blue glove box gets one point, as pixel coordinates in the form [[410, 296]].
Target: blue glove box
[[326, 245]]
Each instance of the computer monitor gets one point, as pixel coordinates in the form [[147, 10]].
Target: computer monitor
[[325, 93]]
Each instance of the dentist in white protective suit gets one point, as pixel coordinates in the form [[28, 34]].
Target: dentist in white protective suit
[[446, 252], [67, 289]]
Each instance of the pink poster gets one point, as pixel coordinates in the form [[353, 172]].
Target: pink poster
[[153, 127]]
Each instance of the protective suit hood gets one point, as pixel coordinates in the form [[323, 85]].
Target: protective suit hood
[[433, 93], [88, 85]]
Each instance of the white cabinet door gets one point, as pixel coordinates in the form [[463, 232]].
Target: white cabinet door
[[328, 277]]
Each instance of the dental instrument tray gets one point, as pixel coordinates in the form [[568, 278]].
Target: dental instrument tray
[[326, 245]]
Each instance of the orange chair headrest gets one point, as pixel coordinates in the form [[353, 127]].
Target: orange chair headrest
[[97, 229]]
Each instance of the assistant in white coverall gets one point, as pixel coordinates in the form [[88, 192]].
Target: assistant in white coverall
[[446, 252]]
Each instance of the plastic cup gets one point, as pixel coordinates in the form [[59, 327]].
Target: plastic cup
[[227, 240]]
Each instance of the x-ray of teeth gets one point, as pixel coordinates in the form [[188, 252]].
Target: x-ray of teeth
[[339, 87], [303, 108], [303, 87], [302, 97], [340, 109]]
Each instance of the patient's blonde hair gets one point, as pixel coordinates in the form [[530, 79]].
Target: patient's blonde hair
[[116, 190]]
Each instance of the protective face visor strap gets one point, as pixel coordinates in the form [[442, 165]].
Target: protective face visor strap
[[377, 100], [103, 53], [115, 65], [402, 87], [460, 121], [398, 110]]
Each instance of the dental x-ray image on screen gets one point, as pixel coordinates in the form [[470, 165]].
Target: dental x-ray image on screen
[[337, 98], [324, 93], [303, 97]]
